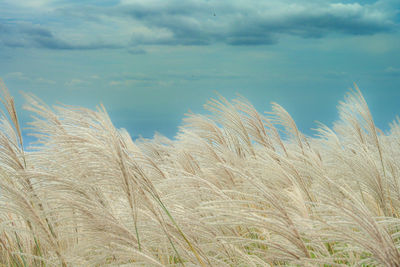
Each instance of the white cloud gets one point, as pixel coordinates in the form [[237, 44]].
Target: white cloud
[[393, 70], [43, 80], [17, 76], [23, 77], [76, 82], [115, 83]]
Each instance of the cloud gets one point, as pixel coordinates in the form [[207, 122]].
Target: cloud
[[129, 79], [132, 23], [17, 76], [131, 82], [252, 22], [393, 71], [22, 77], [29, 3], [22, 34], [122, 76], [76, 82], [115, 83], [136, 51], [46, 81]]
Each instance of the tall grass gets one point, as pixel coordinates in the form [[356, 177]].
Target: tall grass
[[229, 191]]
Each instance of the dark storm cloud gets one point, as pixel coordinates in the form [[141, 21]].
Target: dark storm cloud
[[249, 23], [194, 22]]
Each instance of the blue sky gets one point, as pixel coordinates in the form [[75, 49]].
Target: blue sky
[[150, 61]]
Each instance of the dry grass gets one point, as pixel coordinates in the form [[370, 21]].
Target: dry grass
[[229, 191]]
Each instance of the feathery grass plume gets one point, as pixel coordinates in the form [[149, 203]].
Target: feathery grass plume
[[230, 190], [19, 192]]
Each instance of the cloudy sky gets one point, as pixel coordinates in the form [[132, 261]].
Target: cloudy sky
[[150, 61]]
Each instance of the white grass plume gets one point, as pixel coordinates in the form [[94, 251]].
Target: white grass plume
[[230, 190]]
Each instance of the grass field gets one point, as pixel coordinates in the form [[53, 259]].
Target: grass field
[[235, 188]]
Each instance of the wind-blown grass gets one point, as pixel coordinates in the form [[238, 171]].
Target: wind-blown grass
[[228, 191]]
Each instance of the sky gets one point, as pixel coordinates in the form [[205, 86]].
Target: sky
[[151, 61]]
